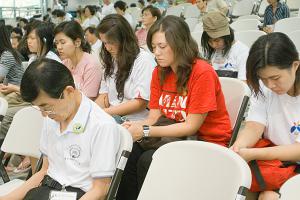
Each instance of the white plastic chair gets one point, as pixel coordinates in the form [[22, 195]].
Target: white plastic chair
[[245, 24], [293, 4], [249, 17], [22, 138], [191, 11], [290, 189], [262, 7], [122, 157], [248, 37], [3, 108], [198, 27], [295, 37], [192, 22], [195, 170], [175, 10], [243, 7], [236, 94], [197, 36], [287, 25]]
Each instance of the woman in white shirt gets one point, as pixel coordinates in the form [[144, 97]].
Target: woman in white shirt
[[273, 74], [91, 19], [125, 87]]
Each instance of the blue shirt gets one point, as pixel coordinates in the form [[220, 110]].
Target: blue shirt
[[282, 11], [163, 5]]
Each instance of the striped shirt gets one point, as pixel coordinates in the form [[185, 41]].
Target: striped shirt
[[10, 68], [282, 11]]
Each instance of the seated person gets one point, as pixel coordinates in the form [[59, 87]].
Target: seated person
[[79, 150], [273, 75], [185, 90], [227, 55], [274, 12]]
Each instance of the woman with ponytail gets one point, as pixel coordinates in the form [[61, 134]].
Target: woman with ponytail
[[74, 50]]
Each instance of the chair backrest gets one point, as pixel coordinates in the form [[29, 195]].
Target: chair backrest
[[197, 36], [191, 11], [23, 136], [294, 36], [245, 24], [293, 4], [192, 22], [3, 107], [262, 7], [243, 7], [287, 25], [195, 170], [290, 189], [121, 160], [248, 37], [249, 17], [236, 94], [175, 10]]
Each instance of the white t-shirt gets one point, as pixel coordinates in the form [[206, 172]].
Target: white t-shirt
[[136, 86], [96, 47], [87, 149], [50, 55], [279, 113], [93, 22], [107, 9], [235, 60]]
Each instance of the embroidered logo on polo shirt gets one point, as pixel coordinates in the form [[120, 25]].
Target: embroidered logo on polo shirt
[[78, 128], [296, 128], [74, 151]]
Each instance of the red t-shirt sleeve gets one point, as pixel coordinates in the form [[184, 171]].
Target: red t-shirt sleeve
[[202, 90], [155, 90]]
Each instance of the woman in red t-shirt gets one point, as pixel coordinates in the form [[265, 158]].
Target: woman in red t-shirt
[[185, 89]]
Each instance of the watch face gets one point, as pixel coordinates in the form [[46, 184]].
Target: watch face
[[146, 131]]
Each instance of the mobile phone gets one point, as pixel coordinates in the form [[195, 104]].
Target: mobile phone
[[5, 81]]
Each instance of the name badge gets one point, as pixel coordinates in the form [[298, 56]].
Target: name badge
[[59, 195]]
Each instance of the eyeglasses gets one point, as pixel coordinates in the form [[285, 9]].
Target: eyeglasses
[[49, 111]]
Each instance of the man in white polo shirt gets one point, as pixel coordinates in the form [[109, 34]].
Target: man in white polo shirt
[[79, 140]]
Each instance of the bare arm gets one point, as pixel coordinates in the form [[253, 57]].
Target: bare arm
[[34, 181], [191, 125], [99, 189], [249, 136], [129, 107]]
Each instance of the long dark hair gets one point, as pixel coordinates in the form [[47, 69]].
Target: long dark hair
[[45, 35], [5, 44], [117, 29], [208, 50], [73, 30], [185, 48], [275, 49]]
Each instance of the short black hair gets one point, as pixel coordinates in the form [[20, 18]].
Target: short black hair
[[45, 74], [121, 5]]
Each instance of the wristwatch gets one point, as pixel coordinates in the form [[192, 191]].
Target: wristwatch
[[146, 131]]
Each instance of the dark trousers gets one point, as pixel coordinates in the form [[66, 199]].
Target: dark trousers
[[134, 173], [43, 192]]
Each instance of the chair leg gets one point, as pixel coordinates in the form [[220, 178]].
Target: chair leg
[[3, 172]]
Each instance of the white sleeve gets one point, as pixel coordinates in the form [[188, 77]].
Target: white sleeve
[[141, 75], [104, 147], [258, 110], [103, 85], [44, 138]]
